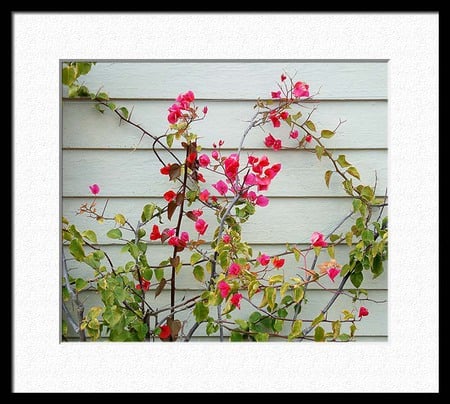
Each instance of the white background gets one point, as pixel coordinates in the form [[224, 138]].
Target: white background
[[408, 362]]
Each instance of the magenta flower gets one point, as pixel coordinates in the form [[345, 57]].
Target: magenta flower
[[224, 288], [333, 272], [203, 160], [263, 259], [205, 110], [284, 115], [234, 269], [201, 226], [197, 212], [283, 77], [215, 155], [301, 89], [231, 165], [293, 134], [221, 187], [169, 195], [318, 240], [204, 195], [275, 121], [236, 300], [363, 312], [276, 94], [308, 138], [262, 201], [226, 238], [95, 189], [269, 140]]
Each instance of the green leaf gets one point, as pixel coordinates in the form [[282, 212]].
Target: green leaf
[[254, 317], [297, 254], [83, 91], [195, 257], [83, 67], [319, 151], [201, 312], [159, 274], [377, 268], [141, 330], [147, 274], [90, 235], [284, 288], [328, 174], [349, 238], [99, 108], [326, 134], [356, 278], [65, 294], [310, 125], [334, 237], [76, 249], [276, 279], [80, 284], [317, 320], [367, 236], [262, 337], [298, 293], [252, 288], [331, 251], [92, 261], [353, 172], [348, 186], [278, 325], [120, 219], [319, 334], [147, 212], [211, 327], [243, 325], [342, 161], [69, 75], [352, 330], [120, 294], [124, 112], [114, 233], [236, 336], [199, 273], [111, 106], [169, 139], [367, 193], [356, 204], [344, 337], [296, 329], [345, 269], [282, 312], [102, 96]]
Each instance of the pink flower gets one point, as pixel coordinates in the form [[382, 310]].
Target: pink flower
[[363, 312], [155, 234], [224, 288], [250, 179], [221, 187], [318, 240], [269, 140], [203, 160], [215, 155], [204, 195], [301, 89], [234, 269], [276, 94], [169, 195], [283, 77], [205, 110], [277, 262], [226, 238], [95, 189], [333, 272], [308, 138], [186, 97], [262, 201], [263, 259], [180, 242], [184, 237], [293, 134], [275, 121], [201, 226], [165, 332], [197, 212], [221, 142], [236, 300], [145, 285]]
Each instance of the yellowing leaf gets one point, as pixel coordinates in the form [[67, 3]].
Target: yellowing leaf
[[276, 279], [328, 174], [327, 134], [310, 125], [120, 219], [353, 172], [342, 161]]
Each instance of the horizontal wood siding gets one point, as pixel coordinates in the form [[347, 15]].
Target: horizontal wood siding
[[96, 149]]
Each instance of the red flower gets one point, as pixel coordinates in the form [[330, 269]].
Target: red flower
[[205, 109], [201, 226], [263, 259], [155, 234], [283, 77], [363, 312], [269, 140], [277, 262], [203, 160], [191, 158], [169, 195], [236, 300], [197, 212], [318, 240], [231, 165], [284, 115], [165, 170], [333, 272], [293, 134], [215, 155], [224, 288], [145, 285], [165, 332], [277, 145], [95, 189], [308, 138], [276, 94], [275, 121], [204, 195], [234, 269]]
